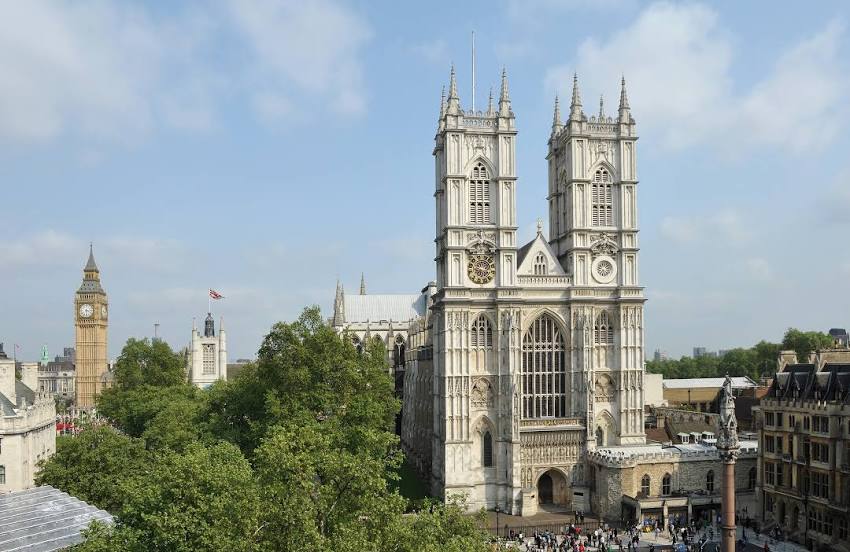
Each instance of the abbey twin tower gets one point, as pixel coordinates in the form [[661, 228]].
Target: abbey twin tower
[[519, 360]]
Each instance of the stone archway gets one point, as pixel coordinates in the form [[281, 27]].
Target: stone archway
[[553, 489]]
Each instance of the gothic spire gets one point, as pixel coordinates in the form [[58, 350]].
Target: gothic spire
[[624, 102], [454, 102], [490, 103], [504, 96], [575, 103], [362, 284], [601, 107], [557, 125], [441, 124], [339, 305], [91, 266]]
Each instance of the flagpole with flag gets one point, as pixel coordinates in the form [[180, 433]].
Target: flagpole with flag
[[213, 295]]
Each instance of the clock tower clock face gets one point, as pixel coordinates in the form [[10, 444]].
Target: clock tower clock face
[[86, 310], [103, 311]]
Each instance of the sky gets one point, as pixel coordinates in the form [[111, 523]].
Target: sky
[[265, 149]]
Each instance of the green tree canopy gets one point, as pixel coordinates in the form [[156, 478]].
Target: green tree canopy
[[148, 362], [804, 343]]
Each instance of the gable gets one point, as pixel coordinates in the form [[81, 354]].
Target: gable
[[538, 248]]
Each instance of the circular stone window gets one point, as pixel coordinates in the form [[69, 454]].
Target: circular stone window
[[604, 269]]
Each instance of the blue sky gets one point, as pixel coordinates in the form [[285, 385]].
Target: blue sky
[[266, 148]]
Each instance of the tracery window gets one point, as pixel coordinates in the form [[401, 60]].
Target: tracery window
[[540, 264], [544, 377], [398, 351], [603, 329], [602, 199], [487, 450], [479, 195], [2, 475], [208, 359], [665, 484], [644, 485], [482, 333], [709, 481]]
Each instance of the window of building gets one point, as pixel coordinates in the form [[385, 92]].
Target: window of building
[[644, 485], [820, 452], [779, 477], [544, 377], [820, 521], [820, 424], [843, 529], [398, 351], [487, 450], [779, 419], [819, 484], [769, 502], [665, 484], [751, 479], [482, 333], [768, 418], [806, 423], [770, 473], [603, 330], [780, 444], [602, 199], [540, 264], [208, 359], [769, 443], [709, 481], [479, 195], [2, 475]]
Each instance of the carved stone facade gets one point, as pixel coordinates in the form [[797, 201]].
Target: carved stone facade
[[526, 357]]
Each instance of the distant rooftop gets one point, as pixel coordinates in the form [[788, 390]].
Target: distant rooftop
[[44, 519], [742, 382], [391, 308]]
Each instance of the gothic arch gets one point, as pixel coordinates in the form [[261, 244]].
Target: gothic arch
[[557, 318], [490, 316], [604, 165], [541, 471], [491, 169], [483, 424], [605, 422]]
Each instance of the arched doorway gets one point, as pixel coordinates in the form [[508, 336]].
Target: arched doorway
[[553, 489], [544, 489]]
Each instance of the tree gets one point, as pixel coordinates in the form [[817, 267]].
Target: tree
[[305, 371], [132, 410], [93, 465], [148, 362], [805, 343], [316, 490]]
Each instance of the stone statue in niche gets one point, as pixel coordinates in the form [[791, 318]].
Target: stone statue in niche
[[482, 393]]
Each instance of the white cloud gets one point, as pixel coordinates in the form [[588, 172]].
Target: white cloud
[[43, 249], [678, 60], [723, 227], [108, 70]]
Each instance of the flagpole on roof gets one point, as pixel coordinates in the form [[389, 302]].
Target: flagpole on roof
[[209, 301]]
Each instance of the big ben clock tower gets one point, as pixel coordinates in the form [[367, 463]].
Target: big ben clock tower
[[90, 316]]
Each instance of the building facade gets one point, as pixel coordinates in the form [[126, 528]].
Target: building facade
[[58, 376], [804, 464], [207, 360], [27, 425], [529, 355], [91, 317]]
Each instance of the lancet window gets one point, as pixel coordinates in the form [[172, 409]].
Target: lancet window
[[482, 333], [540, 264], [479, 195], [602, 199], [603, 329]]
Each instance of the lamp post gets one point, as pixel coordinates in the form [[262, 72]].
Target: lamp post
[[498, 511]]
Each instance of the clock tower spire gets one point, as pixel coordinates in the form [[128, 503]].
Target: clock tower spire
[[90, 322]]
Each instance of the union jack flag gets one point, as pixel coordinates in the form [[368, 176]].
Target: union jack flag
[[216, 295]]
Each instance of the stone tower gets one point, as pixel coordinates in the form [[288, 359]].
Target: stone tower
[[208, 354], [593, 230], [91, 321]]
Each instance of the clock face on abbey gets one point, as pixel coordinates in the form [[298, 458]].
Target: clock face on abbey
[[481, 268]]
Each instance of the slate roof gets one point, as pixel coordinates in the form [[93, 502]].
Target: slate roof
[[389, 307], [21, 392], [42, 519], [803, 382]]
